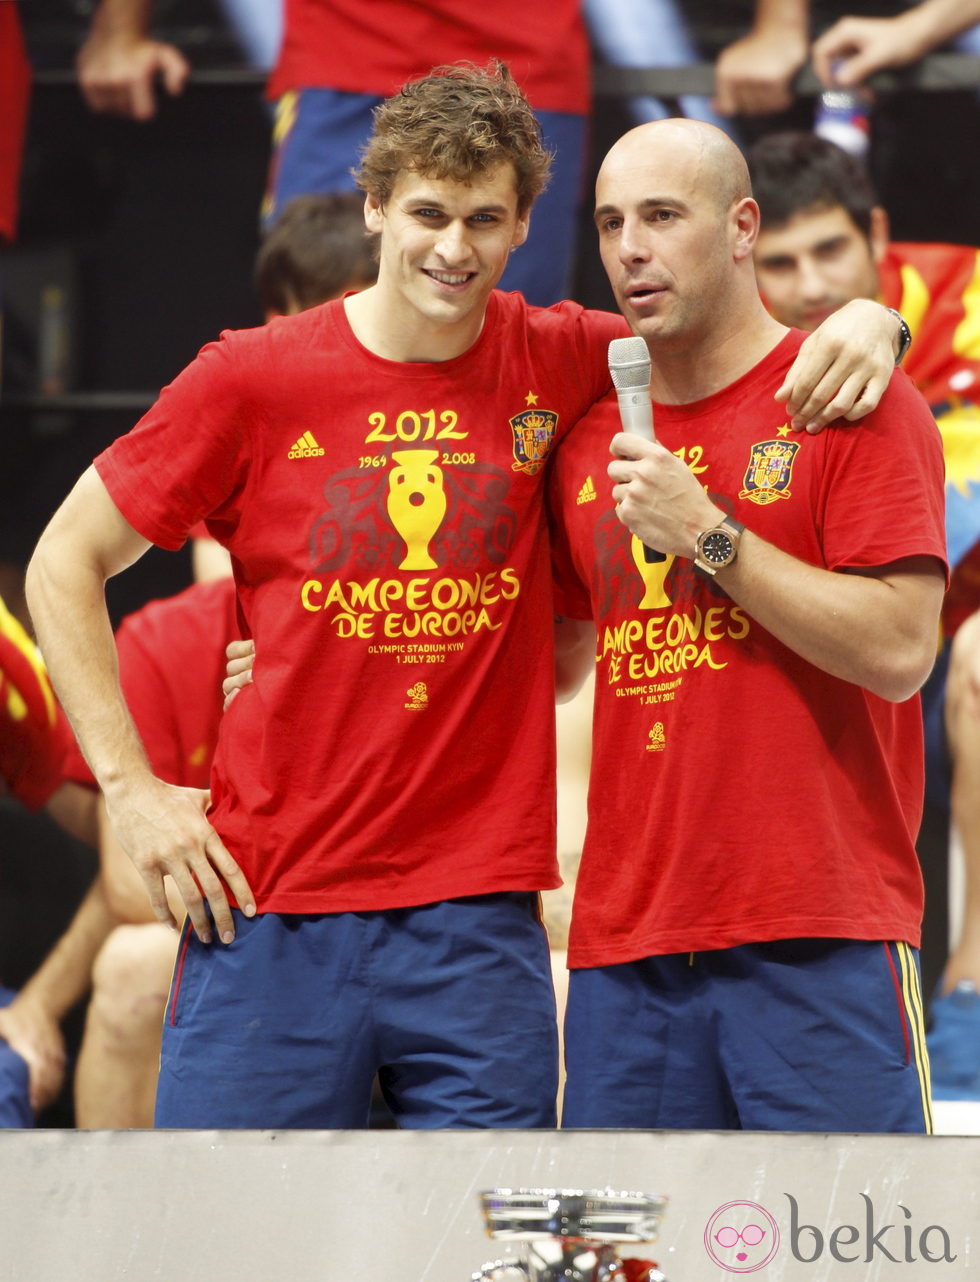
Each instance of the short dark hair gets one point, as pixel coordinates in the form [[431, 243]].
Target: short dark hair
[[316, 248], [794, 172], [459, 122]]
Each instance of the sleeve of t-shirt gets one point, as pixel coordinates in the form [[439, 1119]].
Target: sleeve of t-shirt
[[572, 599], [187, 458], [882, 497], [595, 332], [34, 731]]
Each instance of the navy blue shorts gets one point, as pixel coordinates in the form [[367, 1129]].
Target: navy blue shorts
[[15, 1098], [793, 1035], [451, 1004], [317, 139]]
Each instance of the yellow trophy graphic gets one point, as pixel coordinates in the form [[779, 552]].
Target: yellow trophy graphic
[[655, 593], [416, 504]]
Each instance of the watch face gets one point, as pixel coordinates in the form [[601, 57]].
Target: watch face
[[716, 548]]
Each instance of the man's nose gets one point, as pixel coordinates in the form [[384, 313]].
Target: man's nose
[[813, 285], [632, 244], [453, 245]]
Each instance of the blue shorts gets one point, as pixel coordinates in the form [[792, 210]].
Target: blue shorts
[[451, 1004], [15, 1097], [939, 763], [793, 1035], [317, 140]]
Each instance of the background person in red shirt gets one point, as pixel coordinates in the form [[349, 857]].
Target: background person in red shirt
[[824, 241]]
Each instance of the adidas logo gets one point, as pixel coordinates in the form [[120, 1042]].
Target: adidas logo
[[587, 493], [306, 447]]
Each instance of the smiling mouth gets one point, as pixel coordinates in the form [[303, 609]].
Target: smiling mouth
[[448, 278]]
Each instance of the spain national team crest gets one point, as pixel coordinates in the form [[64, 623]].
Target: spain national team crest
[[769, 472], [534, 430]]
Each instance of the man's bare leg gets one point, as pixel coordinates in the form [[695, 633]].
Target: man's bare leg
[[954, 1037], [116, 1075]]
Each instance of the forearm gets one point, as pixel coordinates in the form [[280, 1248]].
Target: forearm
[[876, 628], [121, 19], [782, 17], [932, 23], [854, 626], [65, 974], [66, 594]]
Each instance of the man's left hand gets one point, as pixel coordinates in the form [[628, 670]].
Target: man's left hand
[[843, 368]]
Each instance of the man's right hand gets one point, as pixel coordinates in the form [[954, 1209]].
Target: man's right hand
[[164, 831], [116, 73]]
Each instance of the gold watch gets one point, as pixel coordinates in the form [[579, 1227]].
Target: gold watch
[[718, 547]]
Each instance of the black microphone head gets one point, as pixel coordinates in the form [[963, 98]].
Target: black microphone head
[[629, 363]]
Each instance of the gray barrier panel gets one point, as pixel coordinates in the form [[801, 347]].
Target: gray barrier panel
[[402, 1206]]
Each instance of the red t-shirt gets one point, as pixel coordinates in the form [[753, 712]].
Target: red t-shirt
[[15, 84], [396, 746], [374, 48], [171, 665], [738, 794], [34, 732]]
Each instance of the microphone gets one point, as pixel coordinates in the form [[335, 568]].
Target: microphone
[[629, 369]]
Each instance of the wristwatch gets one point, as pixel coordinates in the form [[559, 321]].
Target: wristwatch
[[904, 334], [718, 546]]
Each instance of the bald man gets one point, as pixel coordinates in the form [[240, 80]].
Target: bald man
[[746, 923]]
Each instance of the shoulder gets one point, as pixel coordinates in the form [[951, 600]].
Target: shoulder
[[561, 319], [279, 336]]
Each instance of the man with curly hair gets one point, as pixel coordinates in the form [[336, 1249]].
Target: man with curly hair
[[382, 797]]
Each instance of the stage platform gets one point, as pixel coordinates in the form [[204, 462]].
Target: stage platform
[[402, 1206]]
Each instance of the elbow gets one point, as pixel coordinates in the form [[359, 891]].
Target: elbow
[[901, 675]]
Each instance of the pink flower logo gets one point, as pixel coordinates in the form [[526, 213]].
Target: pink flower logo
[[741, 1236]]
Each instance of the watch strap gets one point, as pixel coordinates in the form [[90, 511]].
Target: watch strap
[[904, 334]]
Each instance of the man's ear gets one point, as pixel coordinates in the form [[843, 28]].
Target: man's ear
[[373, 213], [879, 233], [521, 229], [746, 221]]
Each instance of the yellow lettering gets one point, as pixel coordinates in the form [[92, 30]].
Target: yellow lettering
[[714, 623], [513, 583], [362, 595], [307, 590], [738, 616]]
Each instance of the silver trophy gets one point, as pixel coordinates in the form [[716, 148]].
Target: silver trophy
[[567, 1235]]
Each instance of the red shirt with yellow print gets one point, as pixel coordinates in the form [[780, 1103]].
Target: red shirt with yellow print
[[739, 794], [386, 526]]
